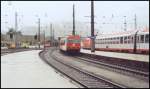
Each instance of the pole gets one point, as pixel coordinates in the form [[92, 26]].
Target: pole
[[73, 32], [125, 24], [92, 28], [135, 23], [39, 32], [16, 28], [50, 34], [53, 37], [16, 24], [135, 38], [44, 39]]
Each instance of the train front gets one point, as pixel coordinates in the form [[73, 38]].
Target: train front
[[73, 43]]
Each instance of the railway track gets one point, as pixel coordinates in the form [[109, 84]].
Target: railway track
[[116, 68], [82, 77], [133, 65]]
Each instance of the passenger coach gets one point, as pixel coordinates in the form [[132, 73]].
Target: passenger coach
[[129, 42]]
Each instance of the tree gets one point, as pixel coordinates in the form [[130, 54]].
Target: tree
[[12, 32]]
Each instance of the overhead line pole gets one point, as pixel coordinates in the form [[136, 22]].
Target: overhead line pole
[[53, 36], [16, 27], [39, 32], [50, 34], [135, 23], [44, 40], [125, 24], [92, 28], [73, 32]]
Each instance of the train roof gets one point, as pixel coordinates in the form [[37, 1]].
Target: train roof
[[126, 33], [70, 37]]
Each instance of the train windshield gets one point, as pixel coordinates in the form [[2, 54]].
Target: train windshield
[[73, 40]]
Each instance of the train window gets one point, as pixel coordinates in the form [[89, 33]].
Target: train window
[[132, 39], [112, 41], [104, 41], [125, 39], [100, 41], [147, 38], [107, 42], [107, 39], [142, 39], [73, 40], [117, 40], [121, 40], [129, 39]]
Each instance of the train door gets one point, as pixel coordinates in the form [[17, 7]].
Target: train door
[[137, 42]]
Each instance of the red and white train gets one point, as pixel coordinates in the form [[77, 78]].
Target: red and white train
[[70, 43], [129, 42]]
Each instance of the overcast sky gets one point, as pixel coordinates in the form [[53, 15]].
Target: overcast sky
[[61, 11]]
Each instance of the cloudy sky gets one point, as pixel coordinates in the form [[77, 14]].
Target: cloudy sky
[[109, 15]]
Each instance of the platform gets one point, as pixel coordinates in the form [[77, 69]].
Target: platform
[[27, 70], [126, 56]]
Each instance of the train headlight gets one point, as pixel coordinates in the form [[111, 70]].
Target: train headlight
[[73, 44]]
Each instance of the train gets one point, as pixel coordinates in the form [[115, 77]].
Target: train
[[70, 44], [136, 41]]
